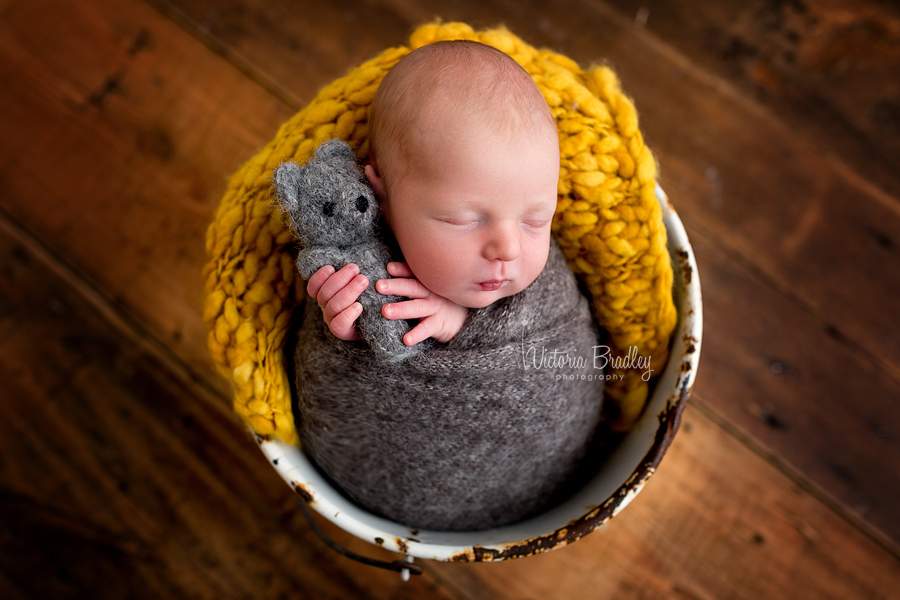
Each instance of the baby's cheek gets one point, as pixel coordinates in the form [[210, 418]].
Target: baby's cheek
[[438, 280], [535, 264], [433, 258]]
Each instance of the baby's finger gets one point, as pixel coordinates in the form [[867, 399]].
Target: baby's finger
[[318, 279], [408, 309], [335, 283], [344, 297], [408, 288], [343, 326], [399, 269], [425, 329]]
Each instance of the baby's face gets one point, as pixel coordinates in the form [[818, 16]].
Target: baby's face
[[474, 221]]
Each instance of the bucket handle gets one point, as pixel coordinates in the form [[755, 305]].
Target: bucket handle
[[404, 567]]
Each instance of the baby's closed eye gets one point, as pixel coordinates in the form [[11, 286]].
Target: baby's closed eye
[[460, 222], [536, 222]]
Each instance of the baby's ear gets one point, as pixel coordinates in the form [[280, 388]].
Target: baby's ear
[[375, 181], [287, 185]]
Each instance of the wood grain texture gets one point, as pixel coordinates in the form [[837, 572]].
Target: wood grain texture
[[827, 68], [785, 376], [123, 472], [119, 133]]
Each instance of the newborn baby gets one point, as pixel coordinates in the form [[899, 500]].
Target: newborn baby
[[494, 421]]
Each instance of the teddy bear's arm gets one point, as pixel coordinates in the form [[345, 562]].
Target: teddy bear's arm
[[311, 260]]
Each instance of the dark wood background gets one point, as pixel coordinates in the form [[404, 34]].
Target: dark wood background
[[123, 472]]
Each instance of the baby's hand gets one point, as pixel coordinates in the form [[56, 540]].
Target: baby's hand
[[439, 318], [336, 294]]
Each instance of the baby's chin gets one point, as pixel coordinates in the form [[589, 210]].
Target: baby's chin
[[469, 303]]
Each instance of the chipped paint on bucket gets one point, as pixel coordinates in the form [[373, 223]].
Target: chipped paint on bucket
[[630, 495], [623, 475]]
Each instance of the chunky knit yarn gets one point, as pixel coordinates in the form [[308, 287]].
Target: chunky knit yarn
[[608, 225]]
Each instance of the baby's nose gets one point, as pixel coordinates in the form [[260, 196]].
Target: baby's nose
[[504, 244]]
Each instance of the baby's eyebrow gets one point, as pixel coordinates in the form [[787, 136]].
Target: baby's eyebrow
[[540, 208], [456, 211]]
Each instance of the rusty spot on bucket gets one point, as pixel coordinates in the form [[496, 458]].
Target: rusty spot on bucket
[[303, 493], [690, 343], [684, 257]]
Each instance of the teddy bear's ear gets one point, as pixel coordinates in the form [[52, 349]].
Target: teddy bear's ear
[[335, 149], [287, 185]]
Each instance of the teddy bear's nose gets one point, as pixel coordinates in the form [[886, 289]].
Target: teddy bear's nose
[[328, 209], [362, 203]]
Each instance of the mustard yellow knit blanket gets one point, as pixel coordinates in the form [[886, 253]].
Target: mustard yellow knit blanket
[[608, 224]]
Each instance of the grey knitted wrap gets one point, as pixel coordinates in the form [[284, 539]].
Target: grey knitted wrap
[[486, 430]]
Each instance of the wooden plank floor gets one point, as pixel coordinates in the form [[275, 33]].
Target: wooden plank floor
[[123, 472]]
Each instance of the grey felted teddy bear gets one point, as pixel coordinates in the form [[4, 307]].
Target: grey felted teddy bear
[[333, 212]]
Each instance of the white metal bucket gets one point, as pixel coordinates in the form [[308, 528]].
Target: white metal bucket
[[623, 474]]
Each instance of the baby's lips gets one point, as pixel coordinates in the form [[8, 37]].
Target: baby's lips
[[493, 285]]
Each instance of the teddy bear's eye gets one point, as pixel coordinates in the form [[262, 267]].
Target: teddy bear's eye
[[328, 209], [362, 203]]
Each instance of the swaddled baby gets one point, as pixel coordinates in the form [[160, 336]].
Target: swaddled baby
[[492, 422]]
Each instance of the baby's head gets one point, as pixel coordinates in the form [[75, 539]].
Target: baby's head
[[465, 161]]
